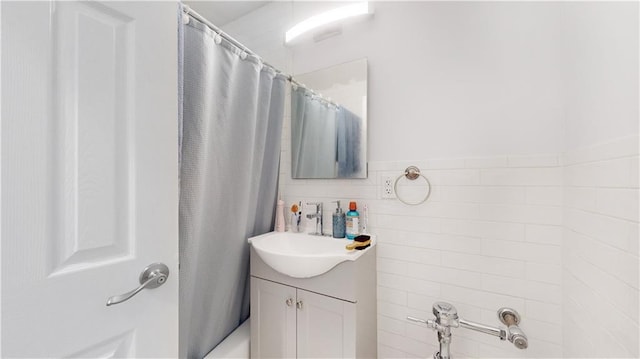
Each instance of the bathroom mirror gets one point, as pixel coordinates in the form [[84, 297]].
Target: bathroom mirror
[[329, 122]]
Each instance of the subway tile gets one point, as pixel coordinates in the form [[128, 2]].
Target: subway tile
[[491, 235], [392, 325], [550, 293], [581, 198], [483, 299], [421, 302], [620, 147], [483, 264], [621, 173], [391, 310], [543, 234], [484, 194], [408, 254], [420, 333], [618, 202], [455, 163], [442, 274], [549, 160], [543, 331], [551, 176], [499, 351], [391, 266], [409, 223], [584, 306], [541, 349], [547, 273], [612, 231], [529, 252], [383, 166], [484, 229], [622, 265], [461, 177], [543, 311], [598, 283], [414, 285], [522, 213], [447, 242], [408, 345], [387, 352], [391, 295], [486, 162], [429, 209], [547, 196], [462, 244]]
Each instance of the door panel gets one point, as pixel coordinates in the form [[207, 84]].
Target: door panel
[[94, 96], [326, 326], [273, 320], [89, 177]]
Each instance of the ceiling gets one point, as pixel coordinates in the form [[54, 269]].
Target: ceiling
[[221, 13]]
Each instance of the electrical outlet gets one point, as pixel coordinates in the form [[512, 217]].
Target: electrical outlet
[[387, 187]]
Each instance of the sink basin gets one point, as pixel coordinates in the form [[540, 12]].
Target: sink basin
[[301, 255]]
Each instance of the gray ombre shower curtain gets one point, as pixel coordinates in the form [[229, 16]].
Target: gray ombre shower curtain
[[313, 133], [232, 121]]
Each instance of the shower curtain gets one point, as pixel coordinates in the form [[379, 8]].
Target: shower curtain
[[325, 138], [232, 121], [314, 140]]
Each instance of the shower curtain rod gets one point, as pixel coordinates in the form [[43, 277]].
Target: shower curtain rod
[[189, 11]]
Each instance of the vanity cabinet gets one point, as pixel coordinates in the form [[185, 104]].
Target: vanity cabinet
[[328, 316], [292, 322]]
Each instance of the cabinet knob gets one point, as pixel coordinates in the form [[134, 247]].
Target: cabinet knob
[[299, 304], [289, 302]]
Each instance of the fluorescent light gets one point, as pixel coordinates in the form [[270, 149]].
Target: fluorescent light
[[328, 17]]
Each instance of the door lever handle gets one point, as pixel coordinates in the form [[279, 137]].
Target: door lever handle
[[151, 277]]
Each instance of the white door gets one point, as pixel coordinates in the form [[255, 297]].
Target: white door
[[89, 179], [273, 319], [326, 326]]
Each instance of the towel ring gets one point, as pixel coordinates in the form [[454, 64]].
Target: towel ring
[[412, 173]]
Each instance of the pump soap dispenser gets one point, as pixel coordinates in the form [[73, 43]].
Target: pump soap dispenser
[[353, 225], [339, 222]]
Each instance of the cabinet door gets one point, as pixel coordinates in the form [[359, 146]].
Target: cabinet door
[[273, 320], [326, 326]]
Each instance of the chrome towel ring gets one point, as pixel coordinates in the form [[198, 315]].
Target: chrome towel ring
[[412, 173]]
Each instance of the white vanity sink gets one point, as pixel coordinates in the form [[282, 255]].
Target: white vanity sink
[[300, 255]]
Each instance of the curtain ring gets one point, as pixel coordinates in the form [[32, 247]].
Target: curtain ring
[[217, 39], [412, 173]]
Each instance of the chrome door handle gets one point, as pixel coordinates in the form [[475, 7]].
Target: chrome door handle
[[151, 277]]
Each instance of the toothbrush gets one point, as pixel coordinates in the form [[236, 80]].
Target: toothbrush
[[294, 214], [365, 220]]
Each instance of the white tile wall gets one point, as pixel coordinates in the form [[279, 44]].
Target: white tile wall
[[600, 251], [554, 236], [488, 237]]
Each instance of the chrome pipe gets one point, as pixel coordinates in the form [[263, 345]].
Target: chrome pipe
[[497, 332]]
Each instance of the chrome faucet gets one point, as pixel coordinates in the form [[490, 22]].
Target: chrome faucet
[[318, 216], [447, 318]]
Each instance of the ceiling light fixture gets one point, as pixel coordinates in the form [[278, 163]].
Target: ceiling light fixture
[[360, 8]]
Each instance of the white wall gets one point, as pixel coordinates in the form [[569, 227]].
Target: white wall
[[469, 79], [600, 54], [600, 249], [525, 118]]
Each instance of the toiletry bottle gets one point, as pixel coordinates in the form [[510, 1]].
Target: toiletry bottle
[[364, 226], [280, 216], [352, 221], [339, 222]]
